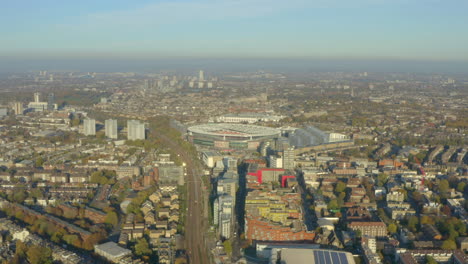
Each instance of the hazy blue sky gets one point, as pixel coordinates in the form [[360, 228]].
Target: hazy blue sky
[[394, 29]]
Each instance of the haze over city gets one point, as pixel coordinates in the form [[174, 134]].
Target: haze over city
[[388, 32]]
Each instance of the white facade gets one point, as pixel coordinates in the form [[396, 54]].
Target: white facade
[[288, 159], [276, 162], [336, 137], [111, 128], [135, 130], [223, 214], [38, 106], [227, 186], [225, 226], [89, 127], [201, 76], [248, 118], [18, 107], [231, 164], [37, 97], [210, 158]]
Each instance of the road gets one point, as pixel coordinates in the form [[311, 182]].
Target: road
[[196, 218]]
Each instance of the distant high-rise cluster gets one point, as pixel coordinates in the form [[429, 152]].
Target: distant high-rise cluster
[[135, 130], [170, 83]]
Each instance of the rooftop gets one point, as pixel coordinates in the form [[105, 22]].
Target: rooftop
[[238, 130], [313, 256], [112, 249]]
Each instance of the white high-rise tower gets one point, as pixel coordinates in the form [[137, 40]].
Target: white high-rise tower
[[201, 76], [37, 97], [89, 127], [18, 107], [111, 128], [135, 130]]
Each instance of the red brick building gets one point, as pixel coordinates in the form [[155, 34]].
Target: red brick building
[[264, 231]]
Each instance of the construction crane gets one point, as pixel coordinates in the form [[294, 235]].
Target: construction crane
[[423, 173]]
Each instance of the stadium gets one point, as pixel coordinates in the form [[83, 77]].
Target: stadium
[[231, 136]]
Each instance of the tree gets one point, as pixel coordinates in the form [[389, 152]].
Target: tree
[[39, 161], [35, 193], [180, 260], [417, 196], [461, 186], [340, 200], [446, 210], [98, 177], [21, 249], [142, 248], [19, 197], [443, 186], [392, 228], [358, 233], [111, 219], [412, 223], [333, 205], [340, 187], [70, 239], [39, 255], [460, 226], [227, 247], [430, 260], [449, 244], [427, 220], [382, 179], [56, 237]]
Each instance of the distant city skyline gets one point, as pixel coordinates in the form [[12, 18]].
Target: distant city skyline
[[315, 29]]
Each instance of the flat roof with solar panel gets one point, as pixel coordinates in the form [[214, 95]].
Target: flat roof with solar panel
[[310, 256]]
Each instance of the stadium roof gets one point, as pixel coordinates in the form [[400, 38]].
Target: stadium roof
[[234, 130]]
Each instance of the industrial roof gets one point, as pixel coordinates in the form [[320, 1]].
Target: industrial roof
[[113, 249]]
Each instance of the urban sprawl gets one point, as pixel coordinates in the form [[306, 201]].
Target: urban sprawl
[[253, 167]]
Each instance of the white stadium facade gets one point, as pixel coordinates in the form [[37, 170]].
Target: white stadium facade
[[231, 136]]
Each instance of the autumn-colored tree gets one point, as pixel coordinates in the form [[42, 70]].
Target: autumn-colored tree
[[461, 186], [425, 219], [112, 219], [39, 161], [443, 186], [392, 228], [446, 210], [412, 223], [333, 205], [449, 244], [142, 247], [340, 187], [39, 255], [21, 249]]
